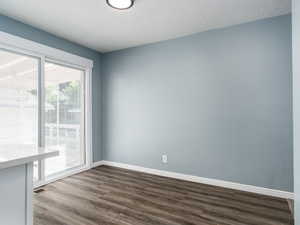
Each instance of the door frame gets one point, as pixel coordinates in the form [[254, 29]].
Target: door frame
[[45, 53]]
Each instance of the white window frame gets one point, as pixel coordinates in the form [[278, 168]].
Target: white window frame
[[45, 53]]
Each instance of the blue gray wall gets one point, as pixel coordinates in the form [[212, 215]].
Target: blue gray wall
[[296, 108], [25, 31], [218, 103]]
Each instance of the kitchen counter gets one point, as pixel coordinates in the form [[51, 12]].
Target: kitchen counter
[[23, 154], [16, 182]]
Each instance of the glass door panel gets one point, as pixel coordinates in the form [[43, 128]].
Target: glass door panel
[[64, 117], [18, 102], [36, 171]]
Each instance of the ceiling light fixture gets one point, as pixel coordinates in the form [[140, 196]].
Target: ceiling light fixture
[[120, 4]]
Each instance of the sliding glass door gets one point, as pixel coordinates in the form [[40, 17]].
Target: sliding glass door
[[43, 104], [64, 117], [19, 76]]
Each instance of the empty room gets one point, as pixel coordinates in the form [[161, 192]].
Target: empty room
[[150, 112]]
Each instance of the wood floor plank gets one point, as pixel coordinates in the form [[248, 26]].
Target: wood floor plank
[[200, 195], [206, 189], [189, 200], [113, 196]]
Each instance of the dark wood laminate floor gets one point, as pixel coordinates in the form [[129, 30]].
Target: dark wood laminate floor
[[112, 196]]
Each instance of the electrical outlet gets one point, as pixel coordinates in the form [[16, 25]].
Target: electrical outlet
[[164, 158]]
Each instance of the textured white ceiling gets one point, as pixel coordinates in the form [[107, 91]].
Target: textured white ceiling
[[93, 24]]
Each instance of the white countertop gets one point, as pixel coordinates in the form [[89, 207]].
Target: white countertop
[[22, 154]]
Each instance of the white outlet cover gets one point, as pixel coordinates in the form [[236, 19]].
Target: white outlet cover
[[164, 158]]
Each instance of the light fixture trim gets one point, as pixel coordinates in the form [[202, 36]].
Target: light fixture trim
[[123, 8]]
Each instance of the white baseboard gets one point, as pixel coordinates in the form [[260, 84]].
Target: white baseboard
[[196, 179], [96, 164]]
